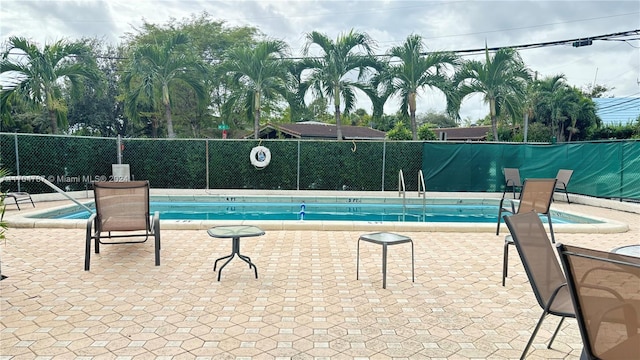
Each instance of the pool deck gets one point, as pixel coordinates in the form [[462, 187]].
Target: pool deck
[[305, 304]]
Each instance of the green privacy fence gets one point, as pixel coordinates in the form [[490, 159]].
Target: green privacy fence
[[72, 162], [603, 169]]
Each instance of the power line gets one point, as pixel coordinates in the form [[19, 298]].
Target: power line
[[630, 107], [551, 43], [606, 37], [620, 103]]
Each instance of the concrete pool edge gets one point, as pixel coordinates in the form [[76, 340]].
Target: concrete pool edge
[[18, 220]]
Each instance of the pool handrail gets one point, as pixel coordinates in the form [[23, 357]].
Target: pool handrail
[[402, 190], [401, 187], [423, 192], [422, 189], [48, 183]]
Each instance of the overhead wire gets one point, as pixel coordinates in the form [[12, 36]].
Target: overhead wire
[[605, 37]]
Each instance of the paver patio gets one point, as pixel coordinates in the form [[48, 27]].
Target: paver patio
[[306, 302]]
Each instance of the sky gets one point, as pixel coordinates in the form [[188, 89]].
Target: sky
[[444, 26]]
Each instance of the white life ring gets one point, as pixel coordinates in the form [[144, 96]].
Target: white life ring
[[260, 156]]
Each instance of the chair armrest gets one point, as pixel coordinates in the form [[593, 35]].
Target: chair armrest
[[555, 293], [155, 221], [90, 223], [504, 208]]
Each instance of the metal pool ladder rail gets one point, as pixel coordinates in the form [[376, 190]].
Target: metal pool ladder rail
[[402, 191], [47, 182]]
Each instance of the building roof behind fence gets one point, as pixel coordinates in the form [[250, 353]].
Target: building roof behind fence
[[614, 111]]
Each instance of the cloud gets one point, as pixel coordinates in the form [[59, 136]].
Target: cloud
[[444, 25]]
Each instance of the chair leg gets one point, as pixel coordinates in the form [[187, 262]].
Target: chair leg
[[505, 261], [533, 335], [87, 250], [16, 200], [553, 236], [567, 194], [156, 232], [157, 248], [553, 337], [499, 214]]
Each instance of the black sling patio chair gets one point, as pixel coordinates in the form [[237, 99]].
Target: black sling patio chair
[[20, 197], [537, 195], [122, 211], [605, 290], [512, 180], [543, 270], [562, 180]]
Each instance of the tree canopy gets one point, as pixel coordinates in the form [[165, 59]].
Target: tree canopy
[[187, 78]]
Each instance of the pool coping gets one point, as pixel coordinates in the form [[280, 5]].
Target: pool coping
[[20, 219]]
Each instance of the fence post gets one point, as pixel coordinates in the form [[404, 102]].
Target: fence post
[[119, 146], [298, 171], [206, 156], [384, 155], [15, 144]]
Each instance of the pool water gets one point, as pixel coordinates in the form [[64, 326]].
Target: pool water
[[334, 209]]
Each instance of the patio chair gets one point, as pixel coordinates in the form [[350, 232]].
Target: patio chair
[[122, 211], [562, 180], [543, 270], [20, 197], [536, 196], [511, 180], [605, 290]]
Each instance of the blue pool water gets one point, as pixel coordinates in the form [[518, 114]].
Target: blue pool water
[[334, 209]]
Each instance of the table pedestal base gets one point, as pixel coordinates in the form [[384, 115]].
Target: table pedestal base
[[235, 251]]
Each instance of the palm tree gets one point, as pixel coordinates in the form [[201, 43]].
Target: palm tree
[[34, 76], [585, 111], [331, 73], [416, 72], [502, 79], [555, 99], [154, 67], [261, 71]]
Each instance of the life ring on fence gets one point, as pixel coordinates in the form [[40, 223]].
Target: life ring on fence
[[260, 157]]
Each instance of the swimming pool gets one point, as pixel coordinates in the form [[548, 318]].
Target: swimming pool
[[46, 215], [361, 209]]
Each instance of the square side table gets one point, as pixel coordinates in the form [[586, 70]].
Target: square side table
[[385, 239]]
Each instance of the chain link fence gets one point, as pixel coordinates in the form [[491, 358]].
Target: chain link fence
[[602, 169], [73, 162]]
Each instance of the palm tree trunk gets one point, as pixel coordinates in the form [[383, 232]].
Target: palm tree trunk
[[167, 114], [256, 116], [53, 118], [154, 127], [53, 121], [573, 128], [336, 102], [526, 126], [167, 110], [494, 119], [338, 125], [412, 113]]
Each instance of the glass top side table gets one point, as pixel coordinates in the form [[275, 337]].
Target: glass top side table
[[385, 239], [629, 250], [235, 232]]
